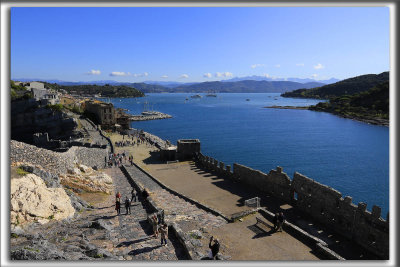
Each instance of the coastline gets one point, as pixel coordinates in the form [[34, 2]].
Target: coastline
[[374, 121]]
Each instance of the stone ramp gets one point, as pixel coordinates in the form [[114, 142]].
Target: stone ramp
[[132, 234], [195, 223]]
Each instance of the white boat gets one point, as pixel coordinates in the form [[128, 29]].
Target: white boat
[[211, 94], [196, 96]]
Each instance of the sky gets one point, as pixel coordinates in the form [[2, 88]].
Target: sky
[[193, 44]]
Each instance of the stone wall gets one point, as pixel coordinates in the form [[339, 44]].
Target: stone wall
[[323, 203], [29, 118], [57, 162]]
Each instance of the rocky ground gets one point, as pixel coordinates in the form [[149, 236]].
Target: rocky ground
[[56, 162], [62, 209], [96, 233]]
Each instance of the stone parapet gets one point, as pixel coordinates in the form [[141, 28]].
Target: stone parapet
[[323, 203]]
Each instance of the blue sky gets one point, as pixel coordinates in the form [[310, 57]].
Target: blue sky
[[198, 44]]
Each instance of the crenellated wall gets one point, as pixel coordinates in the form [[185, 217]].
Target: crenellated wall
[[323, 203]]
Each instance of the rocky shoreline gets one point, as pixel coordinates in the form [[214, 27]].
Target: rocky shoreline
[[374, 121]]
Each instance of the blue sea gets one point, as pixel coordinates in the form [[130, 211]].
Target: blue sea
[[350, 156]]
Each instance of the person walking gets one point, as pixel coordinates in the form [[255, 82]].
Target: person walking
[[214, 248], [164, 233], [118, 206], [154, 222], [127, 205], [281, 219], [275, 221], [133, 195]]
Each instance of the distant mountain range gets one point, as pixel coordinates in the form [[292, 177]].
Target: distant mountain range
[[298, 80], [247, 86], [240, 86]]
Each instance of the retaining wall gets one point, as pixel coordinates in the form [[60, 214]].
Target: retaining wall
[[323, 203]]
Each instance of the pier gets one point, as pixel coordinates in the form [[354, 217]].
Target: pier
[[154, 115]]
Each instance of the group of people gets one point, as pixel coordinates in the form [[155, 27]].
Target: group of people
[[278, 220], [116, 159], [159, 228], [124, 143], [127, 202]]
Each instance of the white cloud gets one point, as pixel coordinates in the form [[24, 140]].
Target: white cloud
[[300, 64], [144, 74], [184, 76], [120, 73], [94, 72], [257, 65], [228, 74], [266, 75], [207, 75], [224, 74], [314, 76], [318, 66], [277, 65], [164, 76]]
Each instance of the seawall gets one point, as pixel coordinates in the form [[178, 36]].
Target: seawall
[[323, 203]]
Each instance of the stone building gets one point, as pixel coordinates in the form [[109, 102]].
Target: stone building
[[68, 101], [104, 113], [122, 119], [31, 85]]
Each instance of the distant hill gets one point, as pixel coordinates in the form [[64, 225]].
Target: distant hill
[[167, 84], [104, 90], [248, 86], [371, 105], [263, 78], [346, 87]]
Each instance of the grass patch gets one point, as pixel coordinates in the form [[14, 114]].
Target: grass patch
[[51, 217], [98, 256], [194, 236], [21, 172], [14, 235], [32, 249]]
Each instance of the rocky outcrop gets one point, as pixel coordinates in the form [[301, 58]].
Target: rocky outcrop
[[83, 178], [32, 200], [30, 118]]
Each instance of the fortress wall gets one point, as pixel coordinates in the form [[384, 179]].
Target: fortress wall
[[275, 182], [323, 203], [326, 205]]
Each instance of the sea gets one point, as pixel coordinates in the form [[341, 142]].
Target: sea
[[348, 155]]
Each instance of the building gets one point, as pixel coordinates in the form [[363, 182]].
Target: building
[[68, 101], [103, 113], [122, 119], [30, 85]]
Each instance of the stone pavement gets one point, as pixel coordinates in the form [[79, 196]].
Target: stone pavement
[[93, 133], [193, 221], [133, 234]]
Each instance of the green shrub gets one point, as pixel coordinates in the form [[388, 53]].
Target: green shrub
[[56, 107]]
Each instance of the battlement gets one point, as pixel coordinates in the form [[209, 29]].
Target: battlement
[[323, 203]]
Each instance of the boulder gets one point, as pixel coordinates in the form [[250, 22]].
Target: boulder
[[32, 200], [74, 171], [85, 169]]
